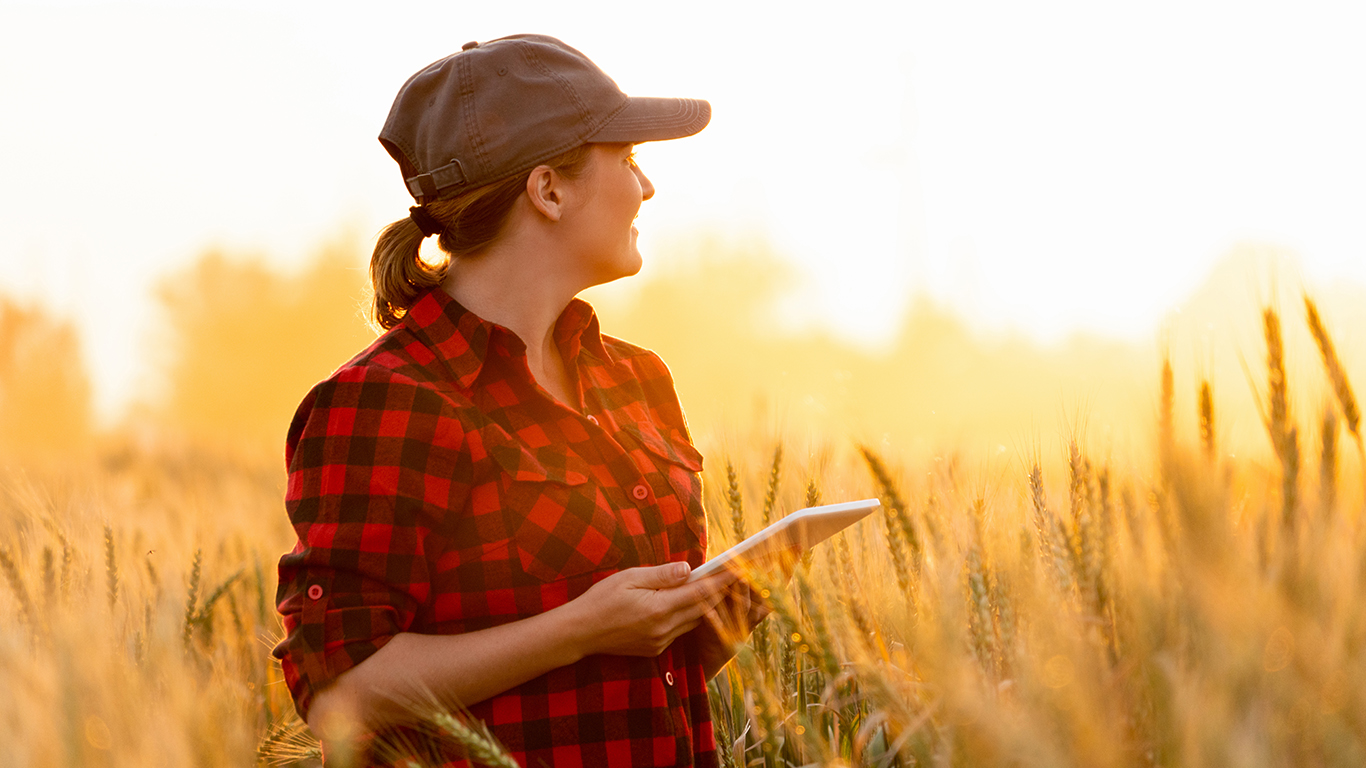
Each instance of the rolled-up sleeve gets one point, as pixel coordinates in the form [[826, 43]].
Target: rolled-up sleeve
[[372, 460]]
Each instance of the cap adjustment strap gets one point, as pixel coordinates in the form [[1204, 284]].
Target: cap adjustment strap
[[427, 185]]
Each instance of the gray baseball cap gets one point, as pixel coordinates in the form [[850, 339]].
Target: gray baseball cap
[[501, 108]]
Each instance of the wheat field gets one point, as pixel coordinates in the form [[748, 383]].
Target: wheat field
[[1078, 606]]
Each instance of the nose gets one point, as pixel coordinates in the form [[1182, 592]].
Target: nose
[[647, 190]]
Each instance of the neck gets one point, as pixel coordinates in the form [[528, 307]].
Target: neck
[[519, 289]]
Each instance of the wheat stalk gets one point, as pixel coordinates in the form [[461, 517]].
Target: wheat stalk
[[49, 576], [16, 585], [1284, 435], [1105, 566], [1328, 460], [824, 645], [736, 503], [976, 571], [1276, 393], [896, 549], [764, 705], [1337, 374], [1090, 534], [1207, 439], [1166, 431], [479, 744], [771, 494], [1006, 621], [203, 617], [842, 563], [894, 521], [192, 597], [287, 743], [895, 504], [1053, 549], [813, 494], [111, 567], [68, 564], [813, 499], [1079, 531]]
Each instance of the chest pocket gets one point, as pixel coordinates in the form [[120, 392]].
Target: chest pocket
[[677, 465], [560, 524]]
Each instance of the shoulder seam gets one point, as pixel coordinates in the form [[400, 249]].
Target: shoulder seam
[[630, 350]]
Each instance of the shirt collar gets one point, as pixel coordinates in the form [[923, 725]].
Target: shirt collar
[[464, 340]]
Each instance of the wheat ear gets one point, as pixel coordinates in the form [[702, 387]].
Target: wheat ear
[[1337, 374], [16, 585], [1351, 412], [480, 745], [1284, 436], [774, 475], [736, 503], [1328, 459], [1166, 431], [111, 567], [1207, 440], [192, 596]]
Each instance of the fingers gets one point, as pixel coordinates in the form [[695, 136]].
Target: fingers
[[714, 588], [670, 606], [727, 625], [664, 576], [691, 601], [736, 616], [707, 591]]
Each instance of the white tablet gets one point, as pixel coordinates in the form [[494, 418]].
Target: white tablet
[[799, 531]]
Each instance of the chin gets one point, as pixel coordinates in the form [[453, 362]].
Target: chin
[[631, 264], [627, 270]]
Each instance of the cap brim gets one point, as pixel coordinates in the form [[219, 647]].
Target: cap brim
[[654, 119]]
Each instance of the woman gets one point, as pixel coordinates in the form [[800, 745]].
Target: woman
[[495, 503]]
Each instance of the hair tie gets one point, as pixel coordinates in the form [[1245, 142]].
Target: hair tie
[[425, 221]]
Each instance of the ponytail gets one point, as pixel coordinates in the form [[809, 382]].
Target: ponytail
[[398, 273], [471, 221]]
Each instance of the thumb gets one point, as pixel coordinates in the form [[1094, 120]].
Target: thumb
[[663, 576]]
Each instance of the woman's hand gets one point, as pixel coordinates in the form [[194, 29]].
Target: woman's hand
[[640, 611], [727, 625], [743, 607]]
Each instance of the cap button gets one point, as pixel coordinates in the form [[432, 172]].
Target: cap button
[[469, 45]]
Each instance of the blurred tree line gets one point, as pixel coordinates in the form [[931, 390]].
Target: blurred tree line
[[44, 389], [243, 341]]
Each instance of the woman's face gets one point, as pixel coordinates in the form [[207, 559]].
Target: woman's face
[[601, 222]]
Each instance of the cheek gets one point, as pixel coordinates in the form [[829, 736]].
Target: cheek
[[628, 198]]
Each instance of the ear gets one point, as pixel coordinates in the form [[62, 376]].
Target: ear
[[545, 188]]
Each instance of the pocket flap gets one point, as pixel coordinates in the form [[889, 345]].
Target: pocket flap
[[673, 448]]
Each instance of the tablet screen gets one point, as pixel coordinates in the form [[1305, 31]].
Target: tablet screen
[[799, 531]]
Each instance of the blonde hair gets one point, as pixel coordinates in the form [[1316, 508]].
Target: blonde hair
[[470, 220]]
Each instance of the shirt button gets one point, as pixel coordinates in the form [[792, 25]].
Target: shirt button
[[315, 592], [593, 419], [669, 678], [640, 492]]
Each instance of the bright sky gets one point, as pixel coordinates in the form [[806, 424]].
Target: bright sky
[[1050, 166]]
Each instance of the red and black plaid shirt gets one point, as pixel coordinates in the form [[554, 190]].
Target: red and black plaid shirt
[[436, 488]]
